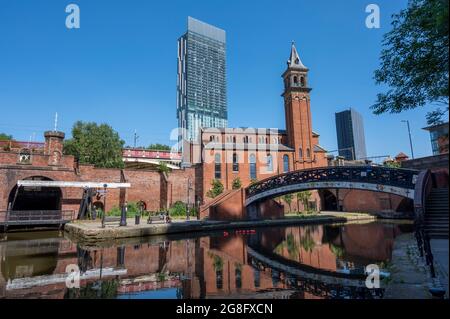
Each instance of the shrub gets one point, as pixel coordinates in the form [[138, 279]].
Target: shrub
[[216, 189], [179, 209], [236, 183]]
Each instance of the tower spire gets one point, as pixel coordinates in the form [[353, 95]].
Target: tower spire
[[294, 59]]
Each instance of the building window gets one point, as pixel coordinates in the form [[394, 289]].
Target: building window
[[256, 278], [269, 163], [286, 163], [302, 81], [234, 139], [238, 276], [219, 279], [252, 167], [235, 163], [308, 153], [217, 167], [300, 153]]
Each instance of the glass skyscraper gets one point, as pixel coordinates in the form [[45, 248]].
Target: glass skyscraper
[[350, 135], [201, 80]]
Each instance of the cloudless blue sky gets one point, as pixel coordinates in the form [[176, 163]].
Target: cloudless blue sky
[[120, 66]]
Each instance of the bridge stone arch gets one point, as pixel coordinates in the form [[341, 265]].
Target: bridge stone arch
[[35, 198], [395, 181]]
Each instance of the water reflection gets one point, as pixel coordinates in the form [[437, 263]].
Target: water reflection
[[295, 262]]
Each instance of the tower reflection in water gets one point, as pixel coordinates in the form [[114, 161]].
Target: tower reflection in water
[[294, 262]]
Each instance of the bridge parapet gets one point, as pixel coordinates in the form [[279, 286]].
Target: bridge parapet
[[382, 179]]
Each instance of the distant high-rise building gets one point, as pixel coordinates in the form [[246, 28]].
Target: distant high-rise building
[[201, 81], [350, 135]]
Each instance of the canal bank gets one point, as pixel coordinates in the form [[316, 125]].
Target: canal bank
[[92, 231], [410, 276]]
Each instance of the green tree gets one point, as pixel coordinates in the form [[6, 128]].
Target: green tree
[[236, 183], [414, 60], [5, 137], [95, 144], [392, 164], [216, 189], [303, 197], [288, 199], [163, 168], [159, 147]]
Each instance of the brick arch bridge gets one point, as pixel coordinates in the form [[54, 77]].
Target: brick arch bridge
[[401, 182]]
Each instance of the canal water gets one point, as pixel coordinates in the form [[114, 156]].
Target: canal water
[[306, 262]]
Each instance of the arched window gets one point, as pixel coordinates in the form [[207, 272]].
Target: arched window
[[302, 81], [211, 138], [285, 163], [308, 153], [235, 163], [300, 153], [269, 163], [295, 80], [234, 139], [217, 167], [252, 166]]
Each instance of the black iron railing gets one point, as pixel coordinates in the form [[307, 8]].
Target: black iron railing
[[404, 178], [423, 189]]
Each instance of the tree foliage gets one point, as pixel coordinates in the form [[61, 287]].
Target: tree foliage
[[158, 147], [236, 183], [95, 144], [304, 197], [288, 199], [5, 137], [414, 60], [163, 168], [216, 189]]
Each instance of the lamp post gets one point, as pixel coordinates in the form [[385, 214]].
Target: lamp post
[[410, 140], [104, 203], [188, 199], [123, 216]]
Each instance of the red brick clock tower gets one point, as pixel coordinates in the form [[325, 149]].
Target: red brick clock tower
[[298, 112]]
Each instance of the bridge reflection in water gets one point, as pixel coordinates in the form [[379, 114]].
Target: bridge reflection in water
[[294, 262]]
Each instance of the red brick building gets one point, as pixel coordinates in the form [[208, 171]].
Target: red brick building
[[250, 154], [229, 155], [157, 190]]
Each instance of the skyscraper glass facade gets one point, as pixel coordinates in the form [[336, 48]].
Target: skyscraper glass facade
[[350, 135], [201, 80]]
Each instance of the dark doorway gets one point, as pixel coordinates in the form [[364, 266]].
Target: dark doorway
[[405, 206], [329, 201], [35, 198]]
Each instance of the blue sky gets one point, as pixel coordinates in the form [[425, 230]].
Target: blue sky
[[120, 66]]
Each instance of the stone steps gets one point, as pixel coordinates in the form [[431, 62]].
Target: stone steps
[[436, 214]]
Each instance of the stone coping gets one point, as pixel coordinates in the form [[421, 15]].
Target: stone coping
[[91, 232]]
